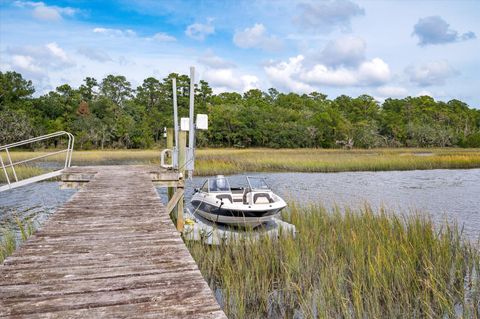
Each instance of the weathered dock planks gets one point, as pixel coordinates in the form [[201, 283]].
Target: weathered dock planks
[[109, 252]]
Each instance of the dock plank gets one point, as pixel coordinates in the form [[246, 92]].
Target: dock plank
[[111, 251]]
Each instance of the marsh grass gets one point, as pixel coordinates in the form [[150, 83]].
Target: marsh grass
[[22, 173], [110, 157], [8, 243], [347, 264], [231, 161], [11, 236], [95, 157]]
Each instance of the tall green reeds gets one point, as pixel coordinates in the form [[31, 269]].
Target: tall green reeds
[[347, 264], [8, 243], [11, 237]]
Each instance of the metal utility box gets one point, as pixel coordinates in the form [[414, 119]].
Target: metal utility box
[[184, 124], [202, 122]]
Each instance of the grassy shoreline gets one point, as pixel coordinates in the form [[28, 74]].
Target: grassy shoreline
[[347, 264], [232, 161]]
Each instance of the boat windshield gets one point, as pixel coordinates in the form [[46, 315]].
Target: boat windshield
[[257, 183], [219, 184]]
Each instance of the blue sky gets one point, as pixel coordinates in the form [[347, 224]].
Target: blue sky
[[381, 48]]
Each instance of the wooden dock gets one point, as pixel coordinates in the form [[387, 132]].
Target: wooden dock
[[110, 252]]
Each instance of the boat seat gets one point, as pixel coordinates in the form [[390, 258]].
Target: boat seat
[[237, 190], [262, 198], [225, 196]]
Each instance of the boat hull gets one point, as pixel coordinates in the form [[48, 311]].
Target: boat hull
[[234, 217]]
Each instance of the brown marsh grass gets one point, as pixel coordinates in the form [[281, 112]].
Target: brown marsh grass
[[231, 161], [347, 264]]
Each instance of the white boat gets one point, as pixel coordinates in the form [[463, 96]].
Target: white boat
[[244, 206]]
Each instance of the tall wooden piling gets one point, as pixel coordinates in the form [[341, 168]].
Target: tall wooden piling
[[182, 155], [170, 190], [170, 138]]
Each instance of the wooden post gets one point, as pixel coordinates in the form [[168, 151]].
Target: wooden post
[[182, 151], [170, 190], [180, 221], [182, 155], [170, 138]]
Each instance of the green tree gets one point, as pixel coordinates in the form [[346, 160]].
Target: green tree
[[15, 125], [87, 90], [14, 88], [116, 88]]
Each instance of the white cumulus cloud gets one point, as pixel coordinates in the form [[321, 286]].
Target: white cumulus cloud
[[37, 61], [41, 11], [431, 73], [25, 63], [57, 51], [283, 75], [348, 50], [250, 82], [256, 37], [115, 32], [215, 62], [296, 76], [392, 91], [324, 16], [163, 37], [200, 31], [322, 75], [226, 80], [94, 54], [373, 72], [425, 93]]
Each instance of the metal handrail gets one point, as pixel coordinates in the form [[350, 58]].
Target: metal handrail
[[11, 164]]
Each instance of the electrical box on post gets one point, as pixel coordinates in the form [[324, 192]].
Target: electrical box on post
[[184, 124], [202, 122]]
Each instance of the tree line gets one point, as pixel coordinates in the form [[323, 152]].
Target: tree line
[[112, 114]]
